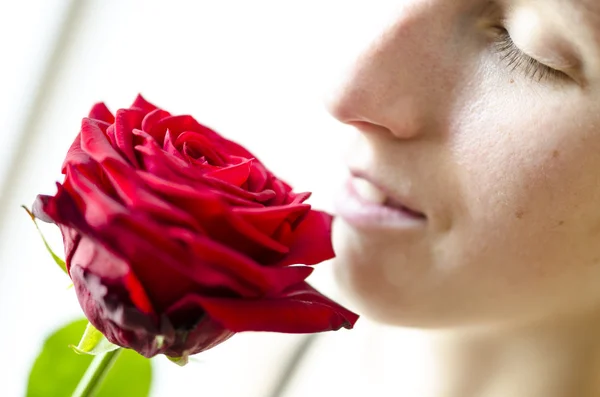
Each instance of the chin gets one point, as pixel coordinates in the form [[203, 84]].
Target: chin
[[383, 307], [360, 272], [391, 292], [415, 307]]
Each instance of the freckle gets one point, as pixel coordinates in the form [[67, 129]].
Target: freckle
[[519, 214], [560, 223], [512, 81], [555, 154]]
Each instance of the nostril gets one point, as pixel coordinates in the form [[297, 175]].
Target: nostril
[[367, 127], [394, 110], [342, 106]]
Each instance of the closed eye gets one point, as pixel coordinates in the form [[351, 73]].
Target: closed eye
[[518, 60]]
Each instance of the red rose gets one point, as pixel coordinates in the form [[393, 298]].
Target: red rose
[[176, 238]]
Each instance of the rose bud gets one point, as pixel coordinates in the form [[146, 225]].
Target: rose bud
[[177, 238]]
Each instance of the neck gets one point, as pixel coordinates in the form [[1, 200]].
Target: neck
[[545, 359]]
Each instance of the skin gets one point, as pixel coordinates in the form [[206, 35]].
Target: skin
[[506, 167]]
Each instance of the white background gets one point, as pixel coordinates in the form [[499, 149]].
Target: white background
[[254, 70]]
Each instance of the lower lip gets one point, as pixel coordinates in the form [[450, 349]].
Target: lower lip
[[362, 214]]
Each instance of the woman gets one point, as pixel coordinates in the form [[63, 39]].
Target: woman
[[470, 226]]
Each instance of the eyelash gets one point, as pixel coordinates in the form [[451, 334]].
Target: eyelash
[[517, 59]]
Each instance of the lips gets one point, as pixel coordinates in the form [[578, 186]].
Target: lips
[[367, 205], [371, 192], [368, 192]]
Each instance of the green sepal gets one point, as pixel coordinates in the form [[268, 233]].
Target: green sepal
[[93, 342], [160, 341], [61, 263], [181, 361]]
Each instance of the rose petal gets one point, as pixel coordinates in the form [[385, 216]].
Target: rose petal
[[49, 208], [204, 336], [169, 147], [143, 105], [99, 207], [132, 191], [151, 119], [121, 132], [156, 161], [216, 217], [201, 265], [269, 219], [110, 225], [300, 309], [248, 238], [143, 241], [94, 259], [268, 280], [311, 241], [95, 143], [180, 124], [257, 180], [235, 175], [101, 112], [264, 196], [76, 155], [281, 190], [202, 145], [108, 308]]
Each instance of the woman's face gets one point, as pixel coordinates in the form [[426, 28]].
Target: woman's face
[[483, 117]]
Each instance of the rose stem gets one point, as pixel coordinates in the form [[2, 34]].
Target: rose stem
[[92, 379]]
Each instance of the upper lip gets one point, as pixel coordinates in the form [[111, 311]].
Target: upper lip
[[393, 199]]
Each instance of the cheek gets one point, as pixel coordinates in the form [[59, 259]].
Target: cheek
[[525, 153], [527, 233], [534, 167]]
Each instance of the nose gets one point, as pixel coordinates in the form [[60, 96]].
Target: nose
[[400, 80]]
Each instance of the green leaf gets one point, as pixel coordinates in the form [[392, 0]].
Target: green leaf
[[57, 370], [56, 258], [93, 342]]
